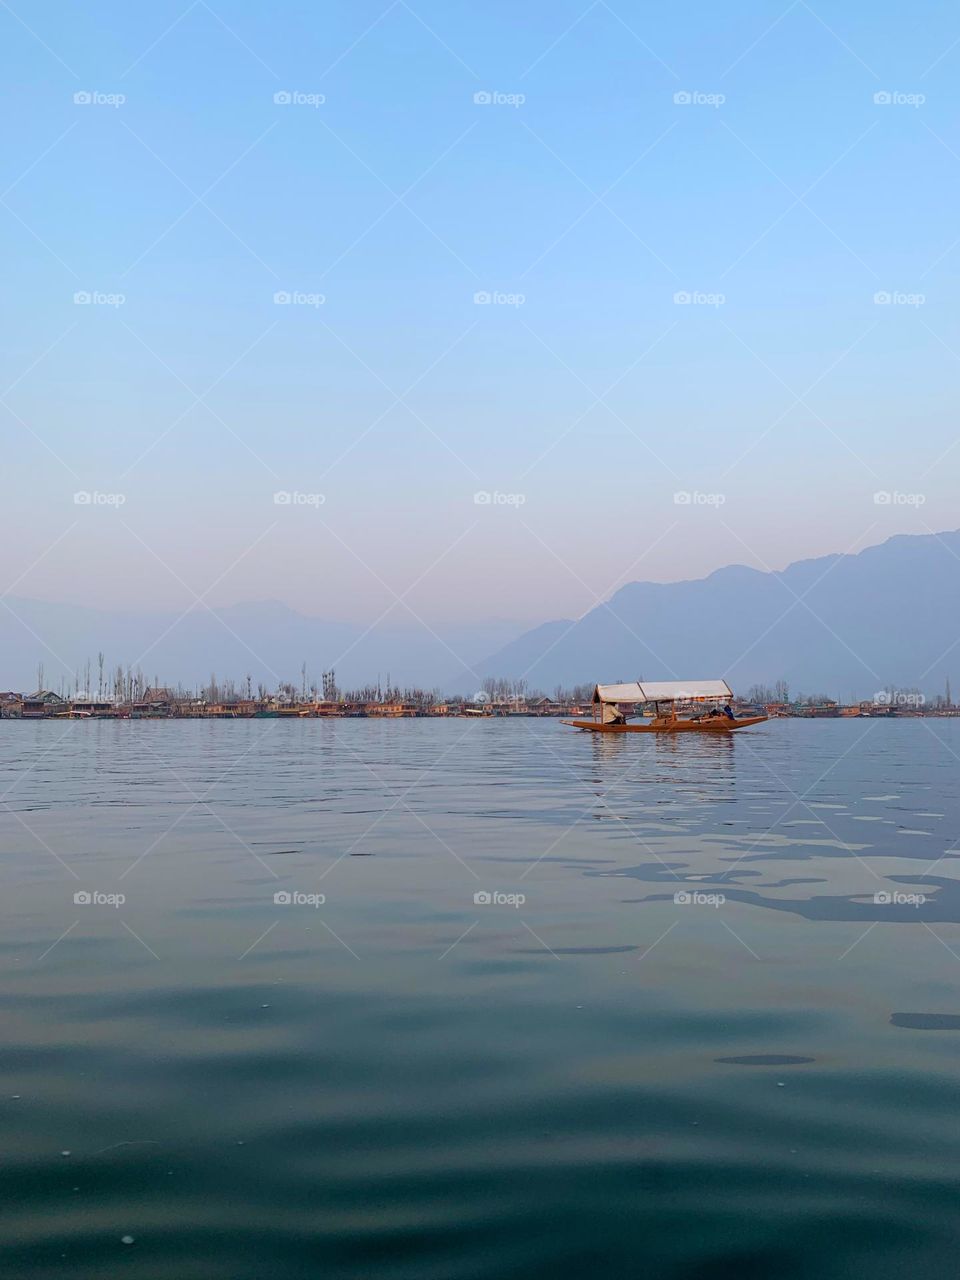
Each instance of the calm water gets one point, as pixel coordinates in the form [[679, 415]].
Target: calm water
[[403, 1083]]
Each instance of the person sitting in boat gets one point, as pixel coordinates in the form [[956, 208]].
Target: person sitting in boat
[[610, 713], [728, 711]]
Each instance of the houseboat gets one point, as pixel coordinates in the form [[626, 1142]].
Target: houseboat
[[677, 706]]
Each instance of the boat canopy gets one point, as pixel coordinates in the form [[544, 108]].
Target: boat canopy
[[662, 691]]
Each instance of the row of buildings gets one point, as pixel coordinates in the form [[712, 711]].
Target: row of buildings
[[159, 704], [873, 708]]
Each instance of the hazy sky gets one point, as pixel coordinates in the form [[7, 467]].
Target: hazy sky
[[619, 154]]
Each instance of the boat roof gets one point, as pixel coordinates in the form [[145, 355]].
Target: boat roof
[[662, 691]]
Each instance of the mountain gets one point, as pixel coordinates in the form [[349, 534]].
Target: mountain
[[846, 625], [267, 640]]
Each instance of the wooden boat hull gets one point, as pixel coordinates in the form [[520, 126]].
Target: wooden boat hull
[[715, 725]]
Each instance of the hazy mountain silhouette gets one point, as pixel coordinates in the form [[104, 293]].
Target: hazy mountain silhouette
[[267, 640], [841, 624], [844, 625]]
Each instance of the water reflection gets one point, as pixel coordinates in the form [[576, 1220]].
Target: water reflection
[[691, 1042]]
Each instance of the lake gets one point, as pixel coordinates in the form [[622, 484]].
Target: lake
[[426, 999]]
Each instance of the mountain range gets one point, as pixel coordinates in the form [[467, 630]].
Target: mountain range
[[845, 625], [267, 640]]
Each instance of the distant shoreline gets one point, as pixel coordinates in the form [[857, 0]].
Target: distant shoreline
[[465, 714]]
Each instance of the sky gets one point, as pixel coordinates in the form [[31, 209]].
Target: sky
[[468, 311]]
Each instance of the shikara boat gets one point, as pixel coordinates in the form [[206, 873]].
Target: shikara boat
[[679, 706]]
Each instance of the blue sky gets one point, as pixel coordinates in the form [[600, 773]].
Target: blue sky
[[782, 197]]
